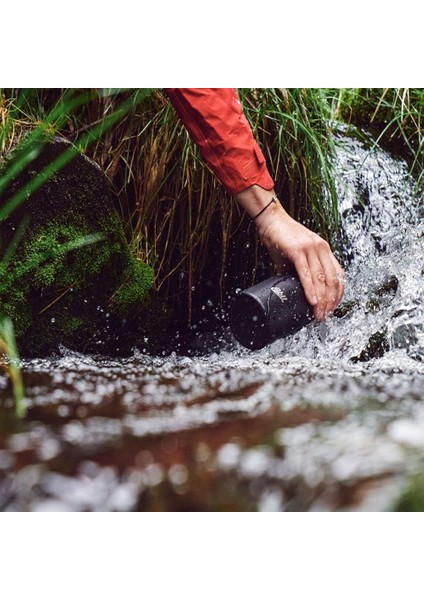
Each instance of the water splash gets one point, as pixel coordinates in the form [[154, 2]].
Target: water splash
[[381, 220]]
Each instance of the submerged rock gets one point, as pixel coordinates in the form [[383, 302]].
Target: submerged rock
[[67, 274]]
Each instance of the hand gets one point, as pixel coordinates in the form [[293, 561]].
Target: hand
[[321, 275]]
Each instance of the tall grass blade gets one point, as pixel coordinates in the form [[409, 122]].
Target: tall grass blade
[[10, 363]]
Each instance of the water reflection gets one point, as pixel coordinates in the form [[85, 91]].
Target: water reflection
[[221, 432]]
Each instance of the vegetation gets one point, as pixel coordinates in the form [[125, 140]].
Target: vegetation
[[178, 221], [394, 116], [412, 497]]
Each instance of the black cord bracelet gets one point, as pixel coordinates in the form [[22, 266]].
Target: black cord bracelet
[[273, 199]]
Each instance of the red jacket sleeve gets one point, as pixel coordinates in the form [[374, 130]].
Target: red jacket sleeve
[[216, 123]]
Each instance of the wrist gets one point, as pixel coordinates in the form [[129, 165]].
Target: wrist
[[273, 214], [259, 203]]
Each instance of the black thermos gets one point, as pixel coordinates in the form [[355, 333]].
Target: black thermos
[[271, 309]]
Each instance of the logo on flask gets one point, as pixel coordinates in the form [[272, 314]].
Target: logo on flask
[[281, 295]]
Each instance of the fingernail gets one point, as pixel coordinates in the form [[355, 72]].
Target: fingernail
[[314, 301]]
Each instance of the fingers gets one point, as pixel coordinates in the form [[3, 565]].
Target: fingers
[[334, 281], [319, 278], [323, 277], [341, 279], [331, 280], [305, 276]]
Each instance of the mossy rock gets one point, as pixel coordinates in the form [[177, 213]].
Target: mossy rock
[[71, 278]]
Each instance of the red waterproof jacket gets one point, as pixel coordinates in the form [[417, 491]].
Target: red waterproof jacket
[[216, 123]]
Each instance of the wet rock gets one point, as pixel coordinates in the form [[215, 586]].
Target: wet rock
[[405, 336], [67, 275], [382, 296], [376, 347], [379, 297], [345, 308]]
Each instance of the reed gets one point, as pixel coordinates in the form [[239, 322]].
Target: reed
[[395, 117], [10, 364]]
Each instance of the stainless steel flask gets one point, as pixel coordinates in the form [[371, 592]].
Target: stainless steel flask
[[271, 309]]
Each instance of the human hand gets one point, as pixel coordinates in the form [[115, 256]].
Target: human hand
[[321, 275]]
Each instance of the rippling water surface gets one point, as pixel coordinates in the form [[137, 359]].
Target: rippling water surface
[[329, 419]]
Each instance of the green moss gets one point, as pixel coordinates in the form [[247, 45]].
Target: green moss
[[49, 256], [72, 325], [138, 280], [15, 305]]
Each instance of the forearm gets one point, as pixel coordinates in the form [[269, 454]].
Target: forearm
[[216, 123]]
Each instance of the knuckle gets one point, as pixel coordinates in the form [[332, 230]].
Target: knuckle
[[300, 247], [305, 274], [321, 244]]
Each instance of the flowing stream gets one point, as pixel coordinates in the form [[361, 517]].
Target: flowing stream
[[329, 419]]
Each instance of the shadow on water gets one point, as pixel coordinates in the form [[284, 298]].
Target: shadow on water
[[329, 419]]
